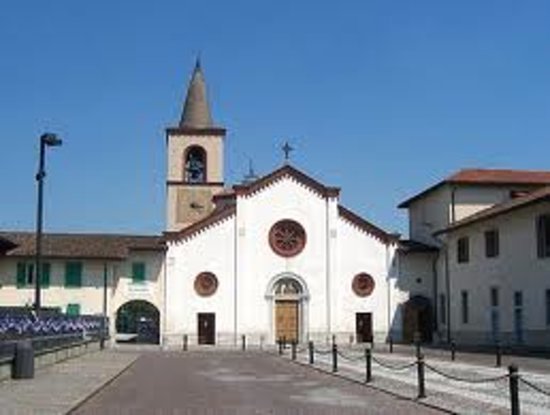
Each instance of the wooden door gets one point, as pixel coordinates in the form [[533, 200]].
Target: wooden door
[[286, 320], [363, 327], [207, 328]]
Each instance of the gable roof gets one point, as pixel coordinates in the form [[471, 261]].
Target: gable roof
[[366, 226], [282, 172], [84, 246], [213, 218], [500, 209], [487, 177]]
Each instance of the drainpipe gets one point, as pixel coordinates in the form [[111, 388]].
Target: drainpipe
[[327, 265]]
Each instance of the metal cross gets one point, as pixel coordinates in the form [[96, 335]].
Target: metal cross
[[287, 149]]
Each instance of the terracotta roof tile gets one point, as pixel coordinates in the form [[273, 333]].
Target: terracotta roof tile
[[488, 177], [88, 246]]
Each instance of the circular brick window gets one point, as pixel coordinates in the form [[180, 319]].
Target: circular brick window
[[287, 238], [363, 284], [206, 284]]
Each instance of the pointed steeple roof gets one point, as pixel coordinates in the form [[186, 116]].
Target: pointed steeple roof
[[196, 111]]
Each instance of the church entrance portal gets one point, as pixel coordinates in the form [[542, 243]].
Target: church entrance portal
[[137, 321], [417, 317], [206, 328], [286, 320], [287, 294]]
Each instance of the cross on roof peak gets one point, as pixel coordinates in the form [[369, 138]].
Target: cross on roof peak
[[287, 149]]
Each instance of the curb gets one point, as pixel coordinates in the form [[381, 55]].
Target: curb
[[101, 387], [369, 385]]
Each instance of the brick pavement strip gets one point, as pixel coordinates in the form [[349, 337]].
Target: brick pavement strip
[[58, 388], [231, 382]]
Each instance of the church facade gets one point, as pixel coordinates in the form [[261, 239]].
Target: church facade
[[277, 257]]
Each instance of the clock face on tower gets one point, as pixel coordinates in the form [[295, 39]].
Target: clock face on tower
[[287, 238]]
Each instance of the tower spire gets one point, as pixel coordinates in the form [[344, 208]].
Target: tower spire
[[196, 111]]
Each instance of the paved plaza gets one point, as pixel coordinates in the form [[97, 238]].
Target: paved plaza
[[225, 382]]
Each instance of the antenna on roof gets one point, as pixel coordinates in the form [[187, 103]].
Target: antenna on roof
[[251, 176]]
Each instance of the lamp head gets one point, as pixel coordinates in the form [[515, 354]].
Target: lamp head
[[50, 140]]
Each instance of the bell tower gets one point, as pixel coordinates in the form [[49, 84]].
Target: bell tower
[[195, 158]]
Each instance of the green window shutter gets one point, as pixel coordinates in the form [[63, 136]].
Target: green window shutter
[[45, 275], [138, 272], [73, 274], [73, 309], [21, 275]]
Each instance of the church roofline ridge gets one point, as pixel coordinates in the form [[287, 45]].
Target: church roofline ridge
[[284, 171], [195, 228], [367, 226]]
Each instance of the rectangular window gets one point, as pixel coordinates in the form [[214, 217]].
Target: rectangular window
[[494, 297], [73, 309], [443, 309], [73, 274], [463, 250], [518, 299], [464, 304], [25, 275], [543, 236], [548, 307], [138, 272], [491, 243]]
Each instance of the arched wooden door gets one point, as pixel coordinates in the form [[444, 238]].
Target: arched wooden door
[[417, 317]]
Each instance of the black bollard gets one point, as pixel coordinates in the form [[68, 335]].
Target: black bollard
[[243, 342], [334, 358], [417, 343], [391, 344], [498, 355], [333, 339], [262, 339], [293, 349], [311, 353], [514, 389], [185, 342], [284, 342], [453, 350], [368, 360], [280, 341], [23, 361], [351, 339], [421, 380]]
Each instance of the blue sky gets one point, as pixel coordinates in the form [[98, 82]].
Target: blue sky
[[382, 98]]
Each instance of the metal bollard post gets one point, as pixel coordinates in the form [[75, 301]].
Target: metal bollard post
[[243, 342], [351, 339], [333, 339], [185, 342], [421, 380], [368, 360], [311, 353], [417, 343], [453, 350], [284, 342], [514, 389], [293, 349], [498, 355], [335, 358], [391, 344], [280, 341], [262, 339]]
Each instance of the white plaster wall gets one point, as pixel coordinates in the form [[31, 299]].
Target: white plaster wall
[[258, 264], [359, 252], [211, 250], [517, 268], [429, 214]]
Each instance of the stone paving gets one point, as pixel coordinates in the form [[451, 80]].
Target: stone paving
[[237, 383], [471, 397], [58, 388]]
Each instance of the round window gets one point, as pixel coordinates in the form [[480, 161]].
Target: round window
[[206, 284], [287, 238], [363, 284]]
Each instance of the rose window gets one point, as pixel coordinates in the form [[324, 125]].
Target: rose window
[[287, 238], [206, 284], [363, 285]]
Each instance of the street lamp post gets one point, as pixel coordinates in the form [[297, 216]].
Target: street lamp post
[[46, 140]]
